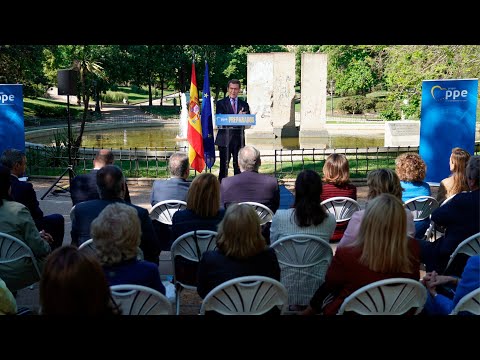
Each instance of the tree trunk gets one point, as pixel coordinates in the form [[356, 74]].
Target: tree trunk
[[162, 83], [150, 102]]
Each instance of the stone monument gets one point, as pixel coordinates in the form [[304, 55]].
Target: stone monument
[[313, 96], [402, 133]]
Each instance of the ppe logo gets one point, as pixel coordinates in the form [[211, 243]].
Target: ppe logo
[[448, 94], [4, 98]]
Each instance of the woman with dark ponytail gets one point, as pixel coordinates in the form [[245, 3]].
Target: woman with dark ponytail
[[307, 215]]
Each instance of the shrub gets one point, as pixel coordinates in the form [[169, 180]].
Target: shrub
[[353, 104], [113, 96]]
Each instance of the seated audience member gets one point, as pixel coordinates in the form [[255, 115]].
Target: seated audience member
[[457, 181], [53, 225], [380, 181], [241, 251], [116, 235], [84, 186], [8, 305], [250, 185], [381, 251], [411, 169], [439, 304], [307, 215], [461, 218], [16, 220], [203, 207], [111, 186], [336, 178], [73, 283], [176, 187]]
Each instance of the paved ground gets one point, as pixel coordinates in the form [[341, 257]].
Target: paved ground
[[61, 203]]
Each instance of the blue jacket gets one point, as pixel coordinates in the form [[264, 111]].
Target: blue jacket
[[442, 305]]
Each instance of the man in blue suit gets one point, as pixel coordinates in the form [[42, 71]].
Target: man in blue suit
[[176, 187], [84, 186], [111, 186], [22, 191], [230, 138]]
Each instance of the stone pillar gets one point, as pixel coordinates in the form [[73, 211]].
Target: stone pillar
[[313, 95], [260, 94], [283, 112]]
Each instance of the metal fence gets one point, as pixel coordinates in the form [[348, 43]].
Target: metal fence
[[152, 162]]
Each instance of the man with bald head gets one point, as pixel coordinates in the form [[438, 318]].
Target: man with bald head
[[84, 187]]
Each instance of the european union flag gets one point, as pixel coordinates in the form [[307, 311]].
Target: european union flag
[[207, 124]]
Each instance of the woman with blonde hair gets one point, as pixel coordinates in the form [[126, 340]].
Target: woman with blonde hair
[[116, 234], [381, 251], [203, 207], [336, 182], [457, 181], [380, 181], [241, 251]]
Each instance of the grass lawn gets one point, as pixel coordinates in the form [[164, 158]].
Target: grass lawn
[[135, 97]]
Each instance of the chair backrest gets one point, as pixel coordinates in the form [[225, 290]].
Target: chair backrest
[[88, 247], [393, 296], [164, 210], [263, 211], [304, 260], [470, 246], [140, 300], [189, 246], [13, 249], [246, 295], [341, 207], [421, 207], [72, 213], [470, 302]]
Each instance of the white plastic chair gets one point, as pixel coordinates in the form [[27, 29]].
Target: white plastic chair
[[246, 295], [13, 249], [421, 207], [190, 246], [341, 207], [140, 300], [88, 247], [304, 260], [470, 246], [263, 211], [470, 302], [164, 210], [393, 296]]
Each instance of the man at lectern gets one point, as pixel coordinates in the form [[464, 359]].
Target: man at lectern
[[230, 138]]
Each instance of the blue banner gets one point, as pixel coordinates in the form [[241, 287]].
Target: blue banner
[[448, 120], [235, 119], [12, 131]]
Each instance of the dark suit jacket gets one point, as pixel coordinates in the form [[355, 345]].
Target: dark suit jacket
[[234, 133], [84, 187], [85, 212], [461, 217], [216, 268], [250, 186], [186, 220], [171, 189], [23, 193]]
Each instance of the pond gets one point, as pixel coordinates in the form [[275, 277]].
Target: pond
[[127, 137]]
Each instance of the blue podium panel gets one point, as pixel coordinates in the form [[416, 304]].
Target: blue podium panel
[[12, 130], [235, 119], [447, 120]]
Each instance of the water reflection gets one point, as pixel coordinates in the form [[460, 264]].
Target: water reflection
[[165, 137]]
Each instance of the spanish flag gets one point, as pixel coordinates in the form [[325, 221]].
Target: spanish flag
[[194, 131]]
